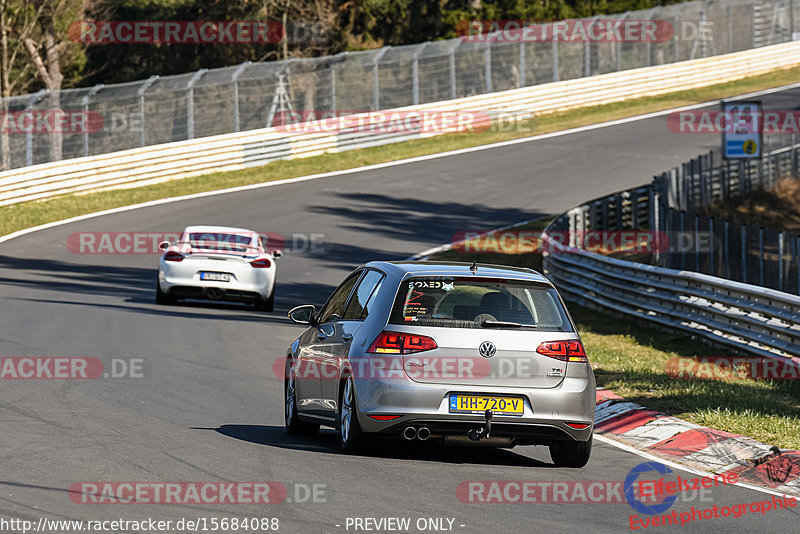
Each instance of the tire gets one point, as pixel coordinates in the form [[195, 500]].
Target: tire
[[351, 438], [292, 421], [571, 454], [163, 298], [266, 305]]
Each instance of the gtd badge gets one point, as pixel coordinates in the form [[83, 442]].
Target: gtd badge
[[487, 349]]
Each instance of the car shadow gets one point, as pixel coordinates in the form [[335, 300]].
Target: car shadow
[[327, 442]]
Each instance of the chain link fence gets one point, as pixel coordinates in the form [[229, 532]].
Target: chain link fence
[[108, 118]]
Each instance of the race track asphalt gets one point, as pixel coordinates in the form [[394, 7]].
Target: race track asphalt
[[208, 405]]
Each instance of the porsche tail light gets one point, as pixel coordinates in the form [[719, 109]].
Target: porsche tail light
[[173, 256], [570, 350], [401, 343], [262, 263]]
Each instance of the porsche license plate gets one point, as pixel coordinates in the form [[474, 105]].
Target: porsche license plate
[[481, 403], [216, 277]]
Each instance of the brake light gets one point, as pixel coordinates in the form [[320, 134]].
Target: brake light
[[566, 351], [384, 417], [578, 426], [263, 263], [401, 343], [173, 256]]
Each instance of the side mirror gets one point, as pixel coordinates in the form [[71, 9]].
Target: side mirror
[[277, 254], [164, 245], [303, 315]]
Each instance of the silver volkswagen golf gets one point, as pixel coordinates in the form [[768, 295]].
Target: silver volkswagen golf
[[458, 353]]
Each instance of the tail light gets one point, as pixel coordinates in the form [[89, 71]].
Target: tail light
[[401, 343], [263, 263], [173, 256], [566, 351]]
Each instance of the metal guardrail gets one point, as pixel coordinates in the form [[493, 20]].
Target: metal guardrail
[[748, 318], [170, 161]]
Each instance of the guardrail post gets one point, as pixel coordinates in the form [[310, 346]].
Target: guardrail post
[[85, 103], [587, 52], [190, 102], [712, 266], [726, 248], [140, 93], [29, 134], [415, 73], [761, 256], [697, 243], [675, 39], [671, 230], [555, 60], [235, 79], [683, 233], [620, 212], [780, 260], [635, 211], [752, 24], [522, 64], [730, 28], [452, 65], [376, 83], [488, 65], [797, 262], [744, 252]]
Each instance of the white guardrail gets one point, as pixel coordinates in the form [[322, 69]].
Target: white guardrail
[[171, 161]]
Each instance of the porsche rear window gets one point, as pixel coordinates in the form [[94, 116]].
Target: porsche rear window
[[469, 302], [220, 241]]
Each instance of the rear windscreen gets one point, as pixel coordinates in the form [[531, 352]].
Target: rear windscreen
[[476, 302]]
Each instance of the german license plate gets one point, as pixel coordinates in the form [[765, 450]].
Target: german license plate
[[481, 403], [216, 277]]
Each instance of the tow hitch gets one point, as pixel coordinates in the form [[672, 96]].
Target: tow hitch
[[477, 434]]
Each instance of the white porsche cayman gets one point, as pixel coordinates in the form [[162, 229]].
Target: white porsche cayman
[[217, 263]]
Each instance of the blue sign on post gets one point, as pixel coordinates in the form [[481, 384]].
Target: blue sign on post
[[741, 136]]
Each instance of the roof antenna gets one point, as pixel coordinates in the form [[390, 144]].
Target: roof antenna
[[474, 267]]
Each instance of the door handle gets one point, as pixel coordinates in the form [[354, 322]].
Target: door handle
[[347, 337]]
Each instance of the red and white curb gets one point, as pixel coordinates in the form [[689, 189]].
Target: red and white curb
[[698, 447]]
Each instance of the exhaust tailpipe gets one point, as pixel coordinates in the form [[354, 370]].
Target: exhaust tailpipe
[[423, 433], [215, 293], [409, 433]]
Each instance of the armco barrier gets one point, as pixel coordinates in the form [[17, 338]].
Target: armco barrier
[[745, 317], [152, 164]]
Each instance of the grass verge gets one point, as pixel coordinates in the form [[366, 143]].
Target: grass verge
[[25, 215], [631, 359]]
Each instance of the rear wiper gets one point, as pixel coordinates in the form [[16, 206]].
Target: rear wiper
[[505, 324]]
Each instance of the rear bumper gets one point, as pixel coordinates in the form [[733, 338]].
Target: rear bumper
[[546, 411], [518, 433], [182, 280]]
